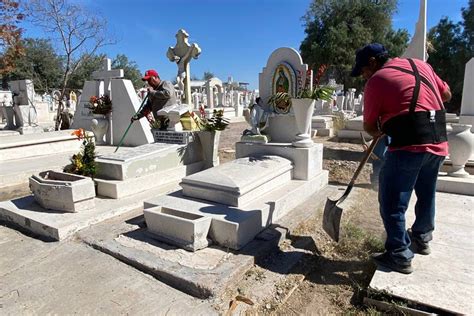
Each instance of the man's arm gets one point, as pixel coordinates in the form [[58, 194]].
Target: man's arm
[[446, 95], [372, 129]]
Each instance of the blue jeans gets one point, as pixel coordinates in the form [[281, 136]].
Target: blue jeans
[[379, 151], [403, 172]]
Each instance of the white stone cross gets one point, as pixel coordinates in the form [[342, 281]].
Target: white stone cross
[[182, 54], [107, 74]]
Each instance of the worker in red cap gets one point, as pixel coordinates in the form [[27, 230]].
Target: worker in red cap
[[161, 93]]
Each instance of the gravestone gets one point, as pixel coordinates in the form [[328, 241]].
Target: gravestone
[[182, 54], [284, 72], [26, 117], [467, 103], [125, 103]]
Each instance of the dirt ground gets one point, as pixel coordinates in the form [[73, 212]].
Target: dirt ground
[[330, 278]]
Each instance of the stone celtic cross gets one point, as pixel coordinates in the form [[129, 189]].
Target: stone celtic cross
[[182, 54]]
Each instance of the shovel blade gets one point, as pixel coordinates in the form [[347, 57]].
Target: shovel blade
[[332, 219]]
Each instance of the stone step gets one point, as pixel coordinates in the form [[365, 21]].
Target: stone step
[[117, 189], [464, 186], [239, 181], [355, 124], [31, 145]]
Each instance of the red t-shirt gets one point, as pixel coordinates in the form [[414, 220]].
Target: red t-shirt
[[389, 91]]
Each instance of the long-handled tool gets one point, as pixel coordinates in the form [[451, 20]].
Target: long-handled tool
[[130, 125], [333, 213]]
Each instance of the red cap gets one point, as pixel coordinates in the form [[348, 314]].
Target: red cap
[[150, 73]]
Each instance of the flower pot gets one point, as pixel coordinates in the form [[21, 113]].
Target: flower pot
[[461, 145], [99, 126], [303, 110], [210, 145]]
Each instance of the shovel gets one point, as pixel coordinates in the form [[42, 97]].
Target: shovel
[[333, 213]]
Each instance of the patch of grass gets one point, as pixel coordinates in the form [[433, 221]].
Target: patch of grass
[[355, 242]]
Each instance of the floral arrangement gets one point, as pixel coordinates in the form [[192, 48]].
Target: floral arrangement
[[216, 123], [281, 101], [100, 105], [83, 163]]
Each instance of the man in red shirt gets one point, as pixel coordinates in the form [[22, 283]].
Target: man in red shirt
[[403, 99]]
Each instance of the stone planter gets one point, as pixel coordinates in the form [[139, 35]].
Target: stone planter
[[303, 109], [210, 145], [186, 230], [99, 126], [461, 145], [63, 191]]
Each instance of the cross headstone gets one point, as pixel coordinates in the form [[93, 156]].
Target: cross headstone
[[107, 74], [182, 54]]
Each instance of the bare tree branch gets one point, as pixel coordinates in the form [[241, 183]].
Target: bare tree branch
[[78, 32]]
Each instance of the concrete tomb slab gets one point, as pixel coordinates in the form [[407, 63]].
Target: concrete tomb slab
[[307, 162], [145, 159], [63, 191], [234, 227], [239, 181], [22, 146]]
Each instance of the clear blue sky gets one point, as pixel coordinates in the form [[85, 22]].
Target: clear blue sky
[[236, 36]]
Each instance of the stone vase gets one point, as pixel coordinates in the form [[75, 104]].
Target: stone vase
[[303, 110], [461, 145], [210, 145], [99, 126]]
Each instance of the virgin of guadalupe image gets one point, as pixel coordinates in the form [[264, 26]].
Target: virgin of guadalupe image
[[282, 82]]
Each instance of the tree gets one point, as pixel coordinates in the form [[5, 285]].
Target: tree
[[79, 34], [335, 29], [130, 70], [207, 75], [85, 70], [39, 63], [468, 25], [453, 48], [10, 36]]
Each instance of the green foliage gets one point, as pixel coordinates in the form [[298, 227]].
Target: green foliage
[[84, 71], [207, 75], [453, 47], [216, 123], [39, 63], [335, 29], [83, 163], [130, 70], [100, 105]]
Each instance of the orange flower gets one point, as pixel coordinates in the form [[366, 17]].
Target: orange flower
[[79, 133]]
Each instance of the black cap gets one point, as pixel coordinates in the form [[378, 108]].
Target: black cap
[[363, 55]]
